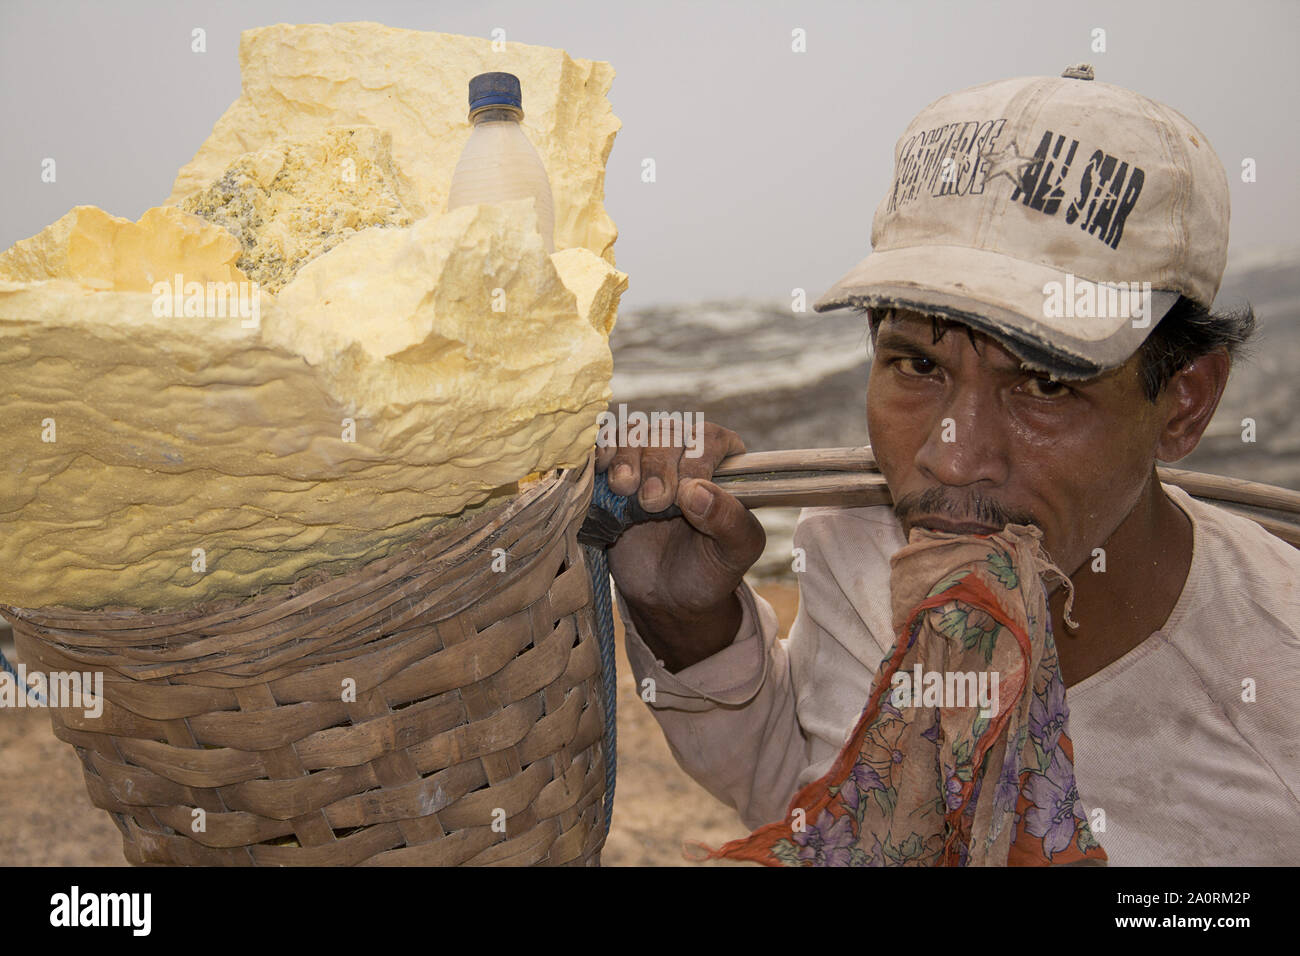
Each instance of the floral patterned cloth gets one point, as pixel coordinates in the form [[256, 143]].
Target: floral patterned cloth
[[940, 784]]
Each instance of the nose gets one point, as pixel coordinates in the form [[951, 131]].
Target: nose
[[967, 443]]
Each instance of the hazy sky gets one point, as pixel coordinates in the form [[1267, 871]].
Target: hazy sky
[[769, 162]]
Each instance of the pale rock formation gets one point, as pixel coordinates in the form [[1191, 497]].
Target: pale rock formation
[[162, 449]]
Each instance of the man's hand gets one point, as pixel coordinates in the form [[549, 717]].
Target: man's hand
[[679, 575]]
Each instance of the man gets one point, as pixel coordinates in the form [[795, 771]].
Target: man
[[1008, 386]]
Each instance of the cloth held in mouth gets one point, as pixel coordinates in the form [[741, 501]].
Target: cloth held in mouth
[[923, 781]]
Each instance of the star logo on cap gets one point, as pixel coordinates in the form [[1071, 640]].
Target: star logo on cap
[[1008, 163]]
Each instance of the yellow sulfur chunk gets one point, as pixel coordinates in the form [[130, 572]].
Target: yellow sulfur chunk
[[107, 252], [298, 80], [290, 202], [157, 456]]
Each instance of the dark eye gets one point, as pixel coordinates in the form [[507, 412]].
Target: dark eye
[[1044, 387], [916, 365]]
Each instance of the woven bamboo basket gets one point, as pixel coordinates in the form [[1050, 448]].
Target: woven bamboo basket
[[474, 736]]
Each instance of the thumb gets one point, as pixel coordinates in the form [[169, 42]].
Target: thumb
[[736, 537]]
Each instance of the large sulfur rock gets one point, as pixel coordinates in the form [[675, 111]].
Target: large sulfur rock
[[299, 80], [162, 450]]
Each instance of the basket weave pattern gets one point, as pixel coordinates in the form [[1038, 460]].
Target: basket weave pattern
[[476, 692]]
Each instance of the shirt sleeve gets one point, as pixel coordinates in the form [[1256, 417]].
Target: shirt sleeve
[[763, 717], [730, 719]]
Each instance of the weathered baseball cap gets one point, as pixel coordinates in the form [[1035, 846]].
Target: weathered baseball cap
[[1039, 210]]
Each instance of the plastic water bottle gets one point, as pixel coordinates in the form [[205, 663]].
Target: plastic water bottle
[[498, 163]]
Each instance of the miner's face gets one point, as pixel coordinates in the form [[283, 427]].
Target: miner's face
[[968, 441]]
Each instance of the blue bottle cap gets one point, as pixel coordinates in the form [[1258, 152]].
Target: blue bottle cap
[[494, 89]]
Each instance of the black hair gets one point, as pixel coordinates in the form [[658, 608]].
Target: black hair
[[1187, 332]]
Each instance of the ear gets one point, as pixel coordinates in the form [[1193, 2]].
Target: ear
[[1189, 402]]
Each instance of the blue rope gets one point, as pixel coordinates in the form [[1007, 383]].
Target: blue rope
[[31, 692], [602, 497]]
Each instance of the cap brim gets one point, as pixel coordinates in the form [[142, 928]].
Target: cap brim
[[1009, 299]]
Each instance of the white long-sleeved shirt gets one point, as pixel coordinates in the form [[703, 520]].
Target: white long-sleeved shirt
[[1189, 743]]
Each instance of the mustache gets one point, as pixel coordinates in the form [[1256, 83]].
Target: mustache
[[959, 507]]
